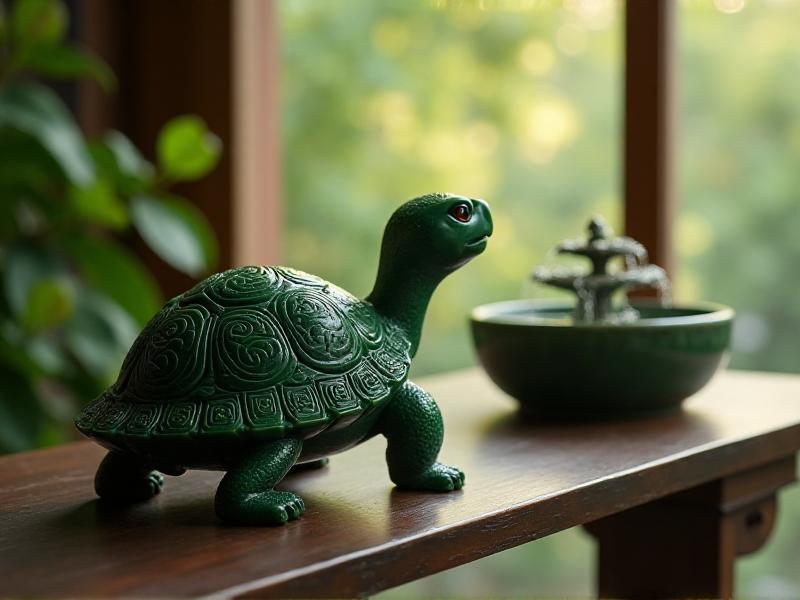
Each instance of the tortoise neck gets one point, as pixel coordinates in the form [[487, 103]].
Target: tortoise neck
[[402, 294]]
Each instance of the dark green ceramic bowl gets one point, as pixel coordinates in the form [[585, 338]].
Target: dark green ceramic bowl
[[556, 369]]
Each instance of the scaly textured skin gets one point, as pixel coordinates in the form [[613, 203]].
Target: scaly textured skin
[[414, 431], [258, 369], [245, 494]]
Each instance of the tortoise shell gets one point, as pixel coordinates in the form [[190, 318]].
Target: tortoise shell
[[269, 351]]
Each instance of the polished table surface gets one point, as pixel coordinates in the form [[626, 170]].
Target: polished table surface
[[359, 535]]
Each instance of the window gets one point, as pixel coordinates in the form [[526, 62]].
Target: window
[[385, 101]]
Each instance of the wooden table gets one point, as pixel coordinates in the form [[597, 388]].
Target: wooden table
[[672, 501]]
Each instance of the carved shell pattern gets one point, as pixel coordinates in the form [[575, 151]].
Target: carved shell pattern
[[262, 349], [320, 333], [250, 350], [172, 358]]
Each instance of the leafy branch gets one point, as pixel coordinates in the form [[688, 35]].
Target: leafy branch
[[72, 295]]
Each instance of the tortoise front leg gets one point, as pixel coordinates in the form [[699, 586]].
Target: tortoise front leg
[[246, 495], [414, 430]]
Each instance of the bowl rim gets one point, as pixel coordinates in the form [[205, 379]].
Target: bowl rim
[[501, 313]]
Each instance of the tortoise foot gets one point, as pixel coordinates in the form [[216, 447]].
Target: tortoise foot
[[245, 495], [265, 508], [437, 478], [125, 479]]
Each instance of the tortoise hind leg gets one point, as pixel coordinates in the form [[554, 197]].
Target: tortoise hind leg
[[125, 478], [246, 495]]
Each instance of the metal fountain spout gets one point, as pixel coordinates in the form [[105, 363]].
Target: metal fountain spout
[[595, 290]]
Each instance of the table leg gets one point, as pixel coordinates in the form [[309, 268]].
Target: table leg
[[685, 545]]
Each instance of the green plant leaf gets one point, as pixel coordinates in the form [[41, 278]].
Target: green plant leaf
[[23, 160], [37, 111], [47, 356], [99, 334], [50, 303], [130, 162], [98, 203], [65, 62], [21, 417], [117, 160], [24, 265], [113, 270], [176, 231], [196, 220], [14, 355], [186, 149], [38, 22]]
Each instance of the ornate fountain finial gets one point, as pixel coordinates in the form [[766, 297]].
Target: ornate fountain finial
[[596, 288], [599, 229]]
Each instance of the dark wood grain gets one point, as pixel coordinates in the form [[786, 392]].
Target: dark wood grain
[[359, 535], [685, 545]]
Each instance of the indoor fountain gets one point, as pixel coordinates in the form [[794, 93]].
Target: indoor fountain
[[595, 290], [601, 356]]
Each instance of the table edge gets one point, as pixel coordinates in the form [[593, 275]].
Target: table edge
[[521, 522]]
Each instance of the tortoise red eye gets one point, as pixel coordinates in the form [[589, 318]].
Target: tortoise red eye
[[461, 212]]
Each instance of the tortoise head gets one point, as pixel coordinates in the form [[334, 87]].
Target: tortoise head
[[437, 233], [425, 240]]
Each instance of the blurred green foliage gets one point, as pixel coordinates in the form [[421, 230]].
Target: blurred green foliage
[[739, 181], [73, 295], [384, 101], [519, 102]]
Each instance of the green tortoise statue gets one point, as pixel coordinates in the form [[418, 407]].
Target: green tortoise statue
[[258, 369]]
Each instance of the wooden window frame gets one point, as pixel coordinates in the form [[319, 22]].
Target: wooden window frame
[[649, 127], [148, 43], [180, 57]]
